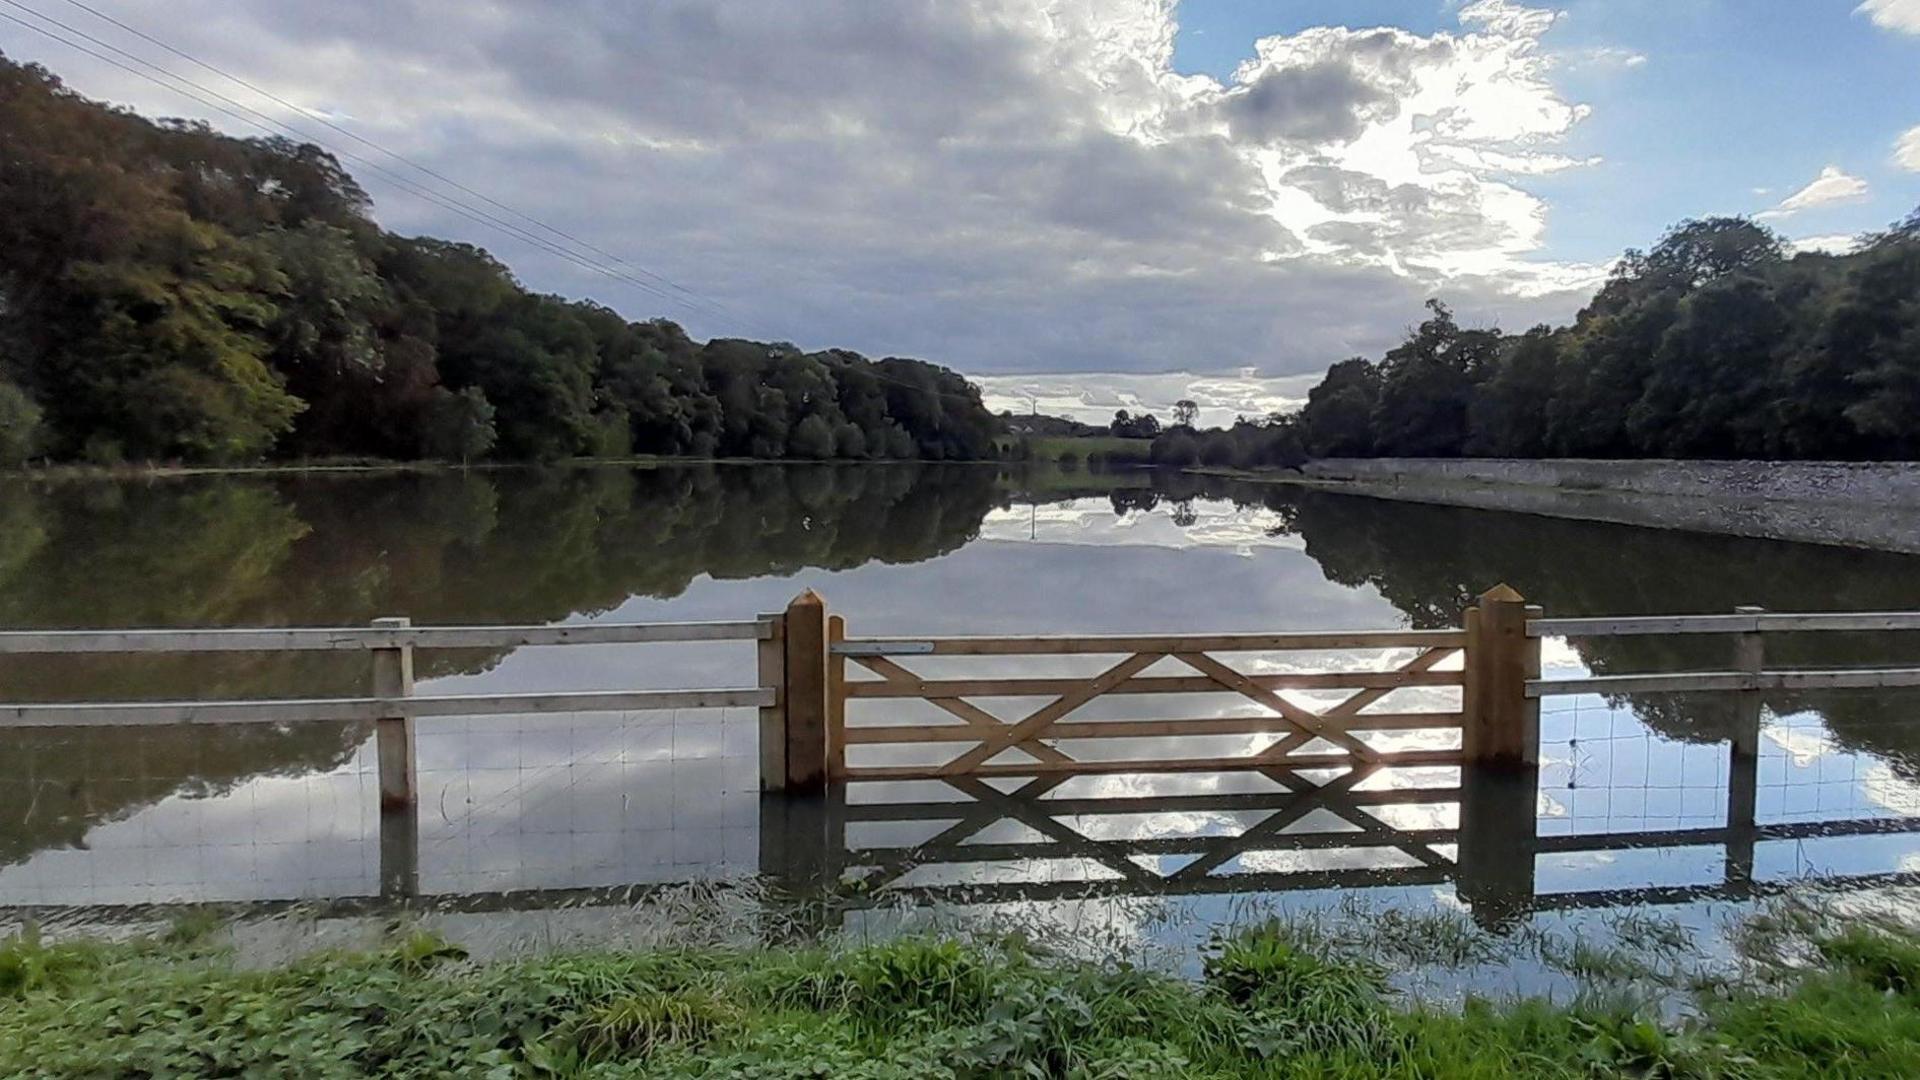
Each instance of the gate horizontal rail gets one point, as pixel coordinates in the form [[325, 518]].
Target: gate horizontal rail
[[1184, 643], [1037, 734]]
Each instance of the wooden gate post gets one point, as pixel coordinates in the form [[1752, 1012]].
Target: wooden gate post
[[1502, 724], [808, 698], [394, 750]]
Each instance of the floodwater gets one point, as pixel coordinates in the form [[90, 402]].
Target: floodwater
[[523, 813]]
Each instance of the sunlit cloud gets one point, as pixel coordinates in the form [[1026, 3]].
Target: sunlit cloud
[[1094, 398], [1832, 186], [1900, 16], [1831, 244], [1906, 151], [994, 184]]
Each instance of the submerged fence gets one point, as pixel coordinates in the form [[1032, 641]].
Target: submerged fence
[[1328, 719]]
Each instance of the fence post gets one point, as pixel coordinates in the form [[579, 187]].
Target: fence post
[[1495, 870], [1743, 754], [394, 750], [773, 718], [1499, 774], [808, 708], [1502, 724]]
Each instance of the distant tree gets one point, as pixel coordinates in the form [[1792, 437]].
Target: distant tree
[[1178, 446], [812, 439], [175, 292], [1127, 426], [459, 426], [19, 425], [1185, 413]]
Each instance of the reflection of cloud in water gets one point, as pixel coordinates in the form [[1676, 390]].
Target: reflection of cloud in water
[[1285, 862], [1882, 786], [1559, 657], [1803, 745], [1027, 871], [1092, 522]]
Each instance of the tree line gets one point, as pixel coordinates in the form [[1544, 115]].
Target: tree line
[[1713, 344], [171, 293]]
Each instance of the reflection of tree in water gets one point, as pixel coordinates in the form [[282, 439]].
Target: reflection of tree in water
[[1431, 561], [519, 546]]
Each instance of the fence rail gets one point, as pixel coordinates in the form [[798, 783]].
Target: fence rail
[[346, 639], [1748, 672], [1738, 623], [148, 713]]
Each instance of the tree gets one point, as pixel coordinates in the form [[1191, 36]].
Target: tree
[[1185, 412], [1713, 343], [812, 439], [459, 426], [19, 425], [175, 292], [1506, 417], [1426, 386], [1338, 417]]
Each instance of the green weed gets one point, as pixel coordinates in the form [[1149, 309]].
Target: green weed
[[1276, 1000]]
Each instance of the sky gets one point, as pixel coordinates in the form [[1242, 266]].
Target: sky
[[1086, 204]]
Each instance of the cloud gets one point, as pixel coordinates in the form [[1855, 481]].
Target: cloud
[[1094, 398], [1900, 16], [1601, 58], [1906, 151], [1001, 185], [1833, 185], [1831, 244]]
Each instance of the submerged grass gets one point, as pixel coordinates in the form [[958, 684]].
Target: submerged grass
[[1277, 999]]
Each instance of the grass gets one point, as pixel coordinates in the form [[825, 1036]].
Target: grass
[[1056, 447], [1271, 1000]]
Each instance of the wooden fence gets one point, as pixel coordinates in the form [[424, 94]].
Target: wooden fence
[[390, 704], [809, 669]]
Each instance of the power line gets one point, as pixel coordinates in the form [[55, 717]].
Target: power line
[[268, 124], [271, 96], [264, 122]]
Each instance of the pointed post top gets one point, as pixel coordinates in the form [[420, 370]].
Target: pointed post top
[[808, 598], [1502, 593]]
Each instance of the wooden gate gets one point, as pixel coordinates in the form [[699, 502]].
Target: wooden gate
[[996, 724]]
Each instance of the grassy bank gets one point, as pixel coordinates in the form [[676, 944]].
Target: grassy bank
[[1846, 1003], [1055, 448]]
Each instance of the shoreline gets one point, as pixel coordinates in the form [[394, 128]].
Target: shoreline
[[1874, 505], [372, 467]]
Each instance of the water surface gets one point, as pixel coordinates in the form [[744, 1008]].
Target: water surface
[[518, 812]]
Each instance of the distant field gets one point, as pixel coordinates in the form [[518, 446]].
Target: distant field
[[1053, 447]]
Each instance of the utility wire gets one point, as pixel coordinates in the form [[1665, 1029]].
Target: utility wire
[[269, 124], [395, 155], [264, 122]]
